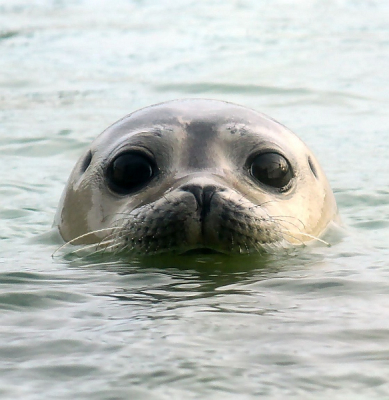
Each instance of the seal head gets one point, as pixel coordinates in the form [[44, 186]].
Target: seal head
[[196, 175]]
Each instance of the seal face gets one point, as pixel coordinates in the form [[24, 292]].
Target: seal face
[[196, 175]]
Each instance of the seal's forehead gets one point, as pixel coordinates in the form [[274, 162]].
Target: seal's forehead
[[198, 117], [198, 125], [194, 111]]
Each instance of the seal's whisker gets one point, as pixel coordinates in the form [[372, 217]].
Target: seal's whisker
[[283, 223], [292, 235], [98, 248], [84, 248], [242, 197], [284, 217], [166, 199], [315, 238], [307, 235], [112, 245], [83, 236], [253, 206], [101, 245]]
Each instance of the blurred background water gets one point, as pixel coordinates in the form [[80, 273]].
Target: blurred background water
[[310, 326]]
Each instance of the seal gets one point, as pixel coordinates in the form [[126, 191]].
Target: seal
[[196, 175]]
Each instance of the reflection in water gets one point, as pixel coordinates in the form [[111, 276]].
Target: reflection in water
[[196, 276]]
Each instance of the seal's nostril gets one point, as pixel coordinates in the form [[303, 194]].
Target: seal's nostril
[[203, 196], [197, 192]]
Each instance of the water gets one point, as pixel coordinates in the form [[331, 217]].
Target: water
[[310, 326]]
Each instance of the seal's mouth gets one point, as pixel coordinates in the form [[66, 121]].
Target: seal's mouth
[[200, 251]]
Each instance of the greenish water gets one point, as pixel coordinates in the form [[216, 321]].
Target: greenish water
[[311, 326]]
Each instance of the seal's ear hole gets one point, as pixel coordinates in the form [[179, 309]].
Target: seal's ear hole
[[313, 169], [86, 162]]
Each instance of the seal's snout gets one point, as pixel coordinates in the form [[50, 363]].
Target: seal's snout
[[203, 196]]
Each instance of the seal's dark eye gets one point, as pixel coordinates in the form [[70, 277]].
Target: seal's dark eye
[[130, 171], [272, 169]]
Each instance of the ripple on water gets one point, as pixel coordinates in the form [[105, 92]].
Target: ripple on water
[[23, 291]]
